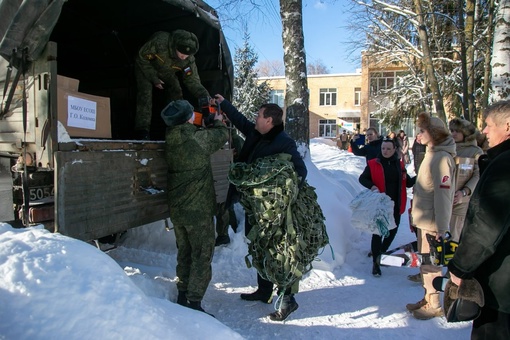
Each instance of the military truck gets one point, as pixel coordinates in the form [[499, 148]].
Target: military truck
[[56, 52]]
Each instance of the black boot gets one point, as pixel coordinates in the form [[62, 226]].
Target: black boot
[[197, 305], [288, 305], [221, 240], [258, 295], [181, 298], [263, 293], [376, 270]]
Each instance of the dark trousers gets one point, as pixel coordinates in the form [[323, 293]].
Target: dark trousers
[[380, 245], [491, 325]]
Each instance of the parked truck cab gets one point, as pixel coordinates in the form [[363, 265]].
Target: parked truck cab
[[56, 52]]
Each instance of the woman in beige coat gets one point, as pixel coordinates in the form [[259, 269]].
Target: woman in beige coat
[[432, 204], [464, 134]]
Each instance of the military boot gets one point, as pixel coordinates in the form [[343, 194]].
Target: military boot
[[431, 309], [288, 305], [197, 305], [258, 295], [181, 298]]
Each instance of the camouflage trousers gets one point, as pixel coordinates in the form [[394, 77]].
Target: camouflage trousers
[[195, 249], [144, 87]]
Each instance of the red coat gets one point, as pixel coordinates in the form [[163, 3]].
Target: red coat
[[377, 174]]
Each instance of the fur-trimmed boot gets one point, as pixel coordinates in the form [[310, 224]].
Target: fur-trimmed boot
[[431, 309]]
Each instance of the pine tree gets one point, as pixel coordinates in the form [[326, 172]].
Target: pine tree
[[248, 93]]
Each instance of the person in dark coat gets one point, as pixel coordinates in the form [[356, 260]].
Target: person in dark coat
[[387, 173], [191, 197], [484, 249], [372, 148], [266, 137]]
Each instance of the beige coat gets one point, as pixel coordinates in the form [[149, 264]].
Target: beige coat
[[435, 188]]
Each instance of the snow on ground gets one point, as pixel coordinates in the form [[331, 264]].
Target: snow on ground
[[55, 287]]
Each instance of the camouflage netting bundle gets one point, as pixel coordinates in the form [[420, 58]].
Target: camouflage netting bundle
[[288, 227]]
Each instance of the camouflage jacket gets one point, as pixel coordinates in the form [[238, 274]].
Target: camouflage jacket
[[188, 150], [157, 58]]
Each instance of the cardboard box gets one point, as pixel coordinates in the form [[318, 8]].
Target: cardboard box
[[67, 83], [84, 115]]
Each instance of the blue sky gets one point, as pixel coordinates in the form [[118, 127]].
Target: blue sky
[[323, 23]]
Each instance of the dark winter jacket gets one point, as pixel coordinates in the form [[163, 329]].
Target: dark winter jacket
[[389, 175], [418, 150], [369, 151], [484, 249], [257, 145], [188, 150]]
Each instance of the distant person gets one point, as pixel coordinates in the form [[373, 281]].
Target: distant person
[[404, 147], [162, 63], [266, 137], [191, 197], [464, 134], [484, 249], [432, 205], [344, 138], [418, 150], [370, 150], [387, 173]]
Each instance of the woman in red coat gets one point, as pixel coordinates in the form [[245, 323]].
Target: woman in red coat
[[387, 173]]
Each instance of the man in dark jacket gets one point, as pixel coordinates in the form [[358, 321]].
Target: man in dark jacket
[[191, 197], [266, 137], [160, 63], [484, 249], [372, 148]]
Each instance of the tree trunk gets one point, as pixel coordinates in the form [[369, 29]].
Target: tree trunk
[[500, 53], [296, 96], [427, 61]]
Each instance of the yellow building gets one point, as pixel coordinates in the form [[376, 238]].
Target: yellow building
[[334, 104]]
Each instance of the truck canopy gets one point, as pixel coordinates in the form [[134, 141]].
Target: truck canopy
[[97, 42]]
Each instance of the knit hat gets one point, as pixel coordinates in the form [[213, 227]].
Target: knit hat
[[185, 42], [177, 112], [463, 303], [434, 126], [463, 126]]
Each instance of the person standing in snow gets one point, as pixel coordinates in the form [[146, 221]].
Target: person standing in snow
[[464, 134], [191, 197], [484, 249], [266, 137], [404, 146], [432, 204], [387, 173], [371, 149], [418, 150]]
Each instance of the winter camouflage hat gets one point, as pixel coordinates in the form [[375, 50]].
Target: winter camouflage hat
[[185, 42], [177, 112]]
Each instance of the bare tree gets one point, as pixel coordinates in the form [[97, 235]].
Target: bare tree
[[316, 67], [270, 68], [500, 55]]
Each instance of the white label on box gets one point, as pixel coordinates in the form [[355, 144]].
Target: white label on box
[[81, 113]]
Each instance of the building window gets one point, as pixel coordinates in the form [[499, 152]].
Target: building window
[[327, 128], [276, 97], [380, 81], [357, 96], [327, 97]]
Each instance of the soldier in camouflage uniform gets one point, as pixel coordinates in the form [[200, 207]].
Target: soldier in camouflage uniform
[[191, 197], [158, 64]]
